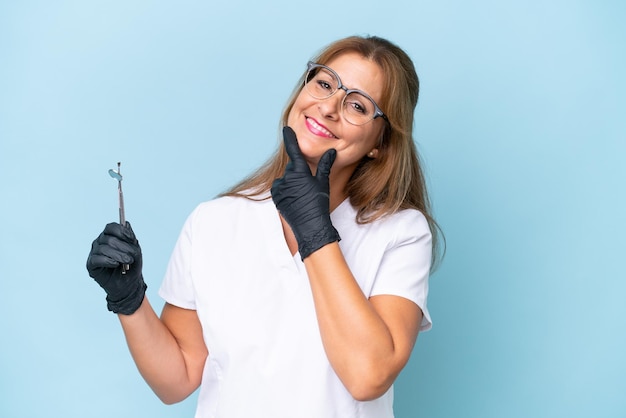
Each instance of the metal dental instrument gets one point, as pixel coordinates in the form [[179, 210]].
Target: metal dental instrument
[[117, 175]]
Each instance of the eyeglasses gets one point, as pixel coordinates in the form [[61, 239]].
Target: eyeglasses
[[357, 107]]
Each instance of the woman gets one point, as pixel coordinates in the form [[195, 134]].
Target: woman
[[299, 292]]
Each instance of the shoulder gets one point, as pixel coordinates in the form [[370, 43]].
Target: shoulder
[[226, 213], [410, 220], [228, 204], [399, 225], [407, 226]]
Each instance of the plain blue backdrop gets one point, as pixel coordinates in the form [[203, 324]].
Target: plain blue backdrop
[[521, 124]]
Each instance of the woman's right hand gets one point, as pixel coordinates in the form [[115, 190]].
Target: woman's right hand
[[169, 351], [114, 248]]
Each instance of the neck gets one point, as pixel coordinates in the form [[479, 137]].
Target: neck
[[336, 199], [338, 179], [337, 189]]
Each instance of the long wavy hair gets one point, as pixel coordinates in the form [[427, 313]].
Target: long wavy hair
[[394, 179]]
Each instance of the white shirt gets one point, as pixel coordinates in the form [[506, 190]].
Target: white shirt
[[266, 359]]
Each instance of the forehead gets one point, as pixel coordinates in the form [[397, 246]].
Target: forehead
[[359, 73]]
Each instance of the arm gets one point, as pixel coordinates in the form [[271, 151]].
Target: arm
[[169, 352], [368, 342]]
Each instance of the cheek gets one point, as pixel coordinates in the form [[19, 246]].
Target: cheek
[[300, 103], [362, 144], [359, 146], [366, 141]]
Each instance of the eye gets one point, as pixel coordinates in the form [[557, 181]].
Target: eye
[[356, 106], [326, 80], [325, 85]]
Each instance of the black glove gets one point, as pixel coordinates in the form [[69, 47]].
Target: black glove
[[114, 247], [303, 199]]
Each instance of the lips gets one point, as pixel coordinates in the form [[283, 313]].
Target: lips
[[317, 129]]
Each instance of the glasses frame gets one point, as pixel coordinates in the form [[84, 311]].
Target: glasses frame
[[378, 113]]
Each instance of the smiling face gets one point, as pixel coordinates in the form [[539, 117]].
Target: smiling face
[[320, 126]]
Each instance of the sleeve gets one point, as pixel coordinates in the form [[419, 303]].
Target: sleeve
[[405, 267], [177, 287]]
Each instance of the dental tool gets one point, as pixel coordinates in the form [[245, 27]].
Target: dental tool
[[117, 175]]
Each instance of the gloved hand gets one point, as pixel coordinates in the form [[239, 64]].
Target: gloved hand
[[303, 199], [114, 247]]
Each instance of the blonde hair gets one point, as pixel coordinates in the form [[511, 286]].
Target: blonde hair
[[394, 180]]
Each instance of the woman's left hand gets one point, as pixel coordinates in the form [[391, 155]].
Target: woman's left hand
[[303, 199]]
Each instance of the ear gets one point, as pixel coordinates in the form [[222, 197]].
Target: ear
[[373, 153]]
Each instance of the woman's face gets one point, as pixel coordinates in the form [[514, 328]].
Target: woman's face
[[319, 124]]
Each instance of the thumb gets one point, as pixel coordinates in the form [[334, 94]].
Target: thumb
[[326, 162], [293, 150]]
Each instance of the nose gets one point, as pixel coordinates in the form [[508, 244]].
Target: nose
[[330, 108]]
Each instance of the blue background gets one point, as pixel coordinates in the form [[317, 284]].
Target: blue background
[[521, 123]]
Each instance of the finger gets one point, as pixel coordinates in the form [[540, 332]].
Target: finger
[[124, 233], [128, 231], [114, 229], [115, 245], [293, 150], [326, 162], [106, 242], [99, 261], [115, 249]]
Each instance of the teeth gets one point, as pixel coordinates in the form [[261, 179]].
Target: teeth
[[320, 128]]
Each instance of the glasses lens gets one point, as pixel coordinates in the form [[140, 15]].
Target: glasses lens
[[321, 83], [358, 109]]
